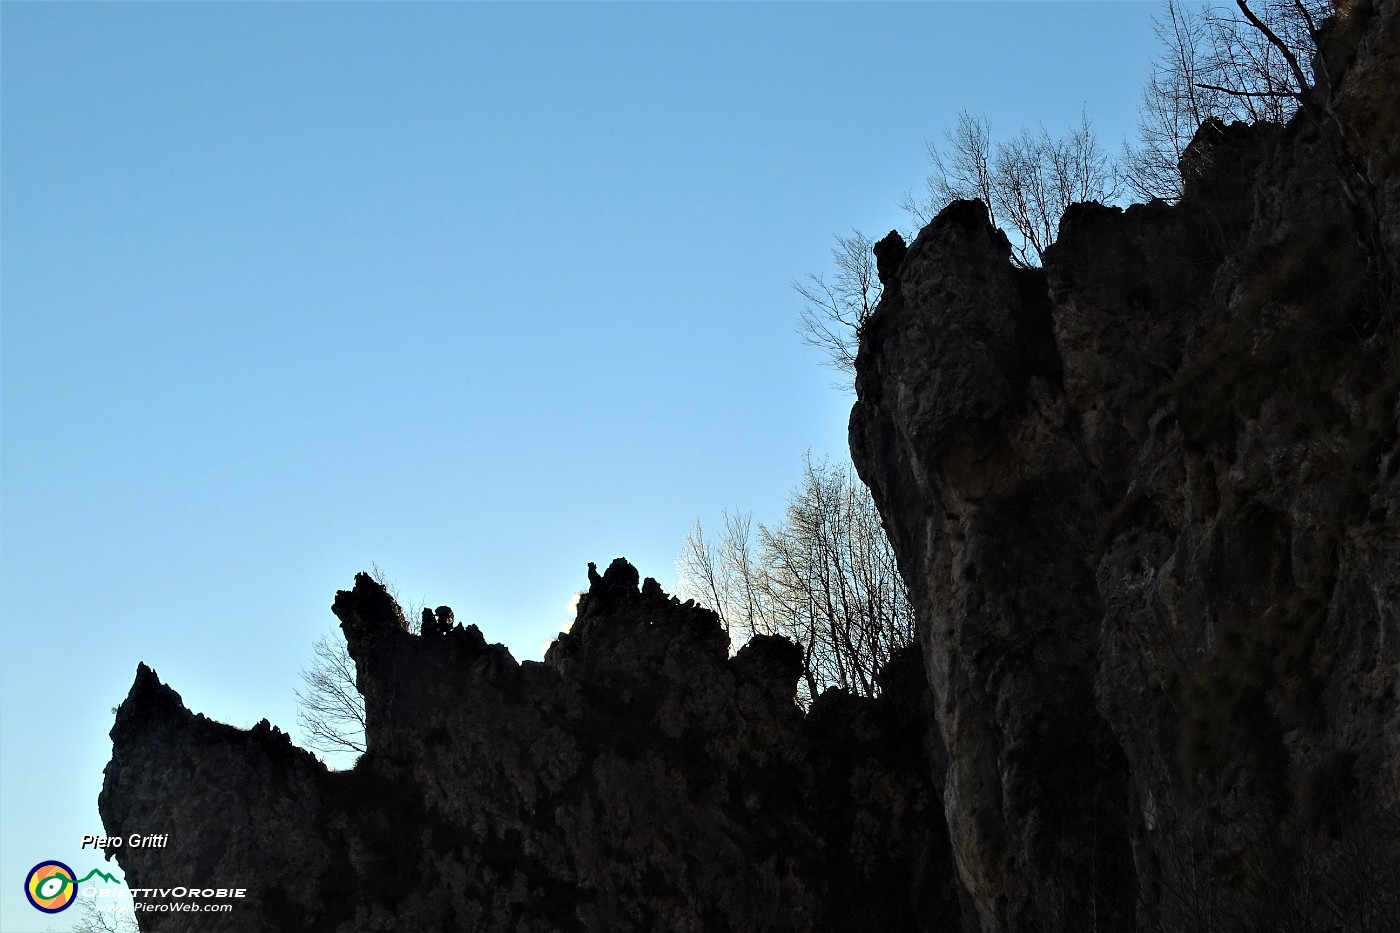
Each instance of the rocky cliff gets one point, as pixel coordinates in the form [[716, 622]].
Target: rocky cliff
[[1147, 502], [639, 779]]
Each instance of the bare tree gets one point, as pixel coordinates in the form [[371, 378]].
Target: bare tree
[[331, 711], [1260, 61], [92, 919], [1226, 62], [834, 311], [825, 578], [962, 171], [1026, 182], [1173, 105]]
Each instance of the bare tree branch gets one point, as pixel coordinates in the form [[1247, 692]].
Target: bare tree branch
[[1238, 93], [92, 919], [1221, 64], [1026, 182], [834, 311], [331, 710]]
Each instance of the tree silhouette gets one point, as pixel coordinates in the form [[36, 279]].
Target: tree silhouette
[[1026, 181], [825, 578]]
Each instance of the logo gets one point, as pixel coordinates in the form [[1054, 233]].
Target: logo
[[51, 887]]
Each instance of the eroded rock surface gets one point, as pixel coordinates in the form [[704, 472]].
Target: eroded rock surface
[[1145, 499], [638, 779]]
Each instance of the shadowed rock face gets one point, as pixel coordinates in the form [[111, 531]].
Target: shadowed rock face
[[638, 779], [1145, 500]]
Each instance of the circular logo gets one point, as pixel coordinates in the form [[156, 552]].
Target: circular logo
[[50, 887]]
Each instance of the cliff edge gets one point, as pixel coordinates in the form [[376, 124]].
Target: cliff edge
[[1146, 502]]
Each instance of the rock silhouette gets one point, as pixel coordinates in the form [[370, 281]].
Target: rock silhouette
[[1147, 503], [639, 779], [1145, 499]]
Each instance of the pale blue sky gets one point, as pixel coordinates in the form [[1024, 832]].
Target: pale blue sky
[[476, 292]]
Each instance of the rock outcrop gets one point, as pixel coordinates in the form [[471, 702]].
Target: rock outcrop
[[1147, 502], [639, 778]]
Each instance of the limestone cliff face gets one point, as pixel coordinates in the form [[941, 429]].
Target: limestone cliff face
[[1147, 501], [638, 779]]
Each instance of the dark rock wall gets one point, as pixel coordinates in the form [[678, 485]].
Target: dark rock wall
[[1146, 502], [638, 779]]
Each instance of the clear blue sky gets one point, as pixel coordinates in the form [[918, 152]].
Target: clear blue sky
[[476, 292]]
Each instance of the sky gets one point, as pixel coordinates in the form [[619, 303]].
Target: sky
[[475, 293]]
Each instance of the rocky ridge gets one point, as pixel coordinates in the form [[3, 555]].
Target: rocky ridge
[[639, 778]]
